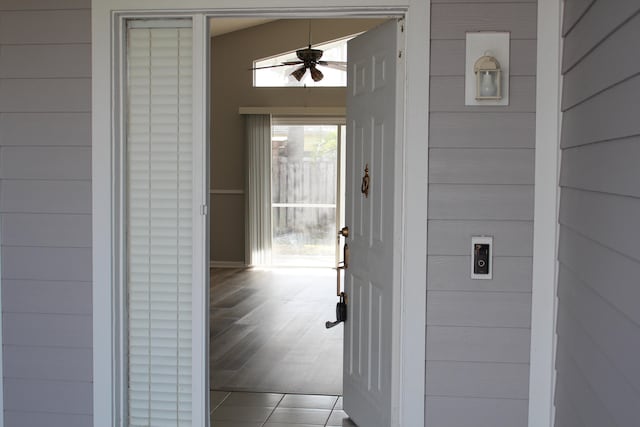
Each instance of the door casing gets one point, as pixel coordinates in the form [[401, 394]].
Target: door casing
[[411, 178]]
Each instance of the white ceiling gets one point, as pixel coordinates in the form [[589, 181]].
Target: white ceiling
[[221, 26]]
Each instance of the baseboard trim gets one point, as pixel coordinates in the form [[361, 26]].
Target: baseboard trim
[[227, 264]]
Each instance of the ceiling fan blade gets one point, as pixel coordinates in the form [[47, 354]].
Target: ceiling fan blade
[[299, 73], [272, 66], [316, 74], [292, 62], [336, 65]]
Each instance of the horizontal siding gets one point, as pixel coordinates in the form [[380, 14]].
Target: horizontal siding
[[453, 273], [452, 20], [487, 166], [454, 237], [609, 115], [40, 129], [45, 212], [601, 20], [50, 61], [451, 58], [482, 130], [481, 176], [447, 94], [45, 27], [594, 73], [607, 167], [598, 377], [482, 380], [481, 202], [50, 95], [46, 297], [483, 412], [45, 163], [573, 11], [472, 344]]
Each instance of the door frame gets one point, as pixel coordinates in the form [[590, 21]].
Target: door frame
[[408, 376]]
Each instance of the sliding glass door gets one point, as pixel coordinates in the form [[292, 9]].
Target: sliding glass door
[[305, 193]]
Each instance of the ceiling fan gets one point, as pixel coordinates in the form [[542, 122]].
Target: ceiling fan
[[309, 59]]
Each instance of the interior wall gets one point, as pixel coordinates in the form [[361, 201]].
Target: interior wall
[[481, 182], [598, 326], [45, 211], [231, 88]]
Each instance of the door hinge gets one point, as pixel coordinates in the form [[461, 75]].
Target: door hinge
[[204, 210], [399, 54]]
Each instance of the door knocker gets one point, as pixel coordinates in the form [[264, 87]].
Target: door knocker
[[365, 182]]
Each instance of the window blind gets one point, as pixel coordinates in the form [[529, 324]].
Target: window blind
[[159, 182]]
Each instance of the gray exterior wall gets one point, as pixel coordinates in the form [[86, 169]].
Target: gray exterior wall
[[45, 211], [598, 382], [481, 176]]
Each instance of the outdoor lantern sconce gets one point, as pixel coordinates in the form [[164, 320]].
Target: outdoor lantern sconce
[[488, 78], [487, 69]]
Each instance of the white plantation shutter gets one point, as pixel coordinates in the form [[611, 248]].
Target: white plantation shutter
[[159, 209]]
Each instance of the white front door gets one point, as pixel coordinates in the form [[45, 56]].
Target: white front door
[[371, 130]]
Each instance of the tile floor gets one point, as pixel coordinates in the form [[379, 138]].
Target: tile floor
[[244, 409]]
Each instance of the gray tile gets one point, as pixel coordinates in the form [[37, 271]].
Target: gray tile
[[234, 424], [339, 404], [316, 417], [340, 418], [308, 401], [253, 399], [289, 425], [240, 413], [216, 398]]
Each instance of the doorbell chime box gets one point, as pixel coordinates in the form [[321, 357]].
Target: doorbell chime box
[[482, 257]]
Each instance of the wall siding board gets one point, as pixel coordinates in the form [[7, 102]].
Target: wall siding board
[[40, 129], [45, 212], [45, 163], [45, 27], [447, 95], [51, 61], [449, 58], [46, 330], [481, 176], [468, 344], [57, 197], [453, 273], [609, 386], [481, 166], [580, 302], [48, 396], [488, 380], [46, 263], [454, 237], [609, 115], [608, 167], [452, 20], [46, 230], [481, 202], [479, 309], [50, 95], [44, 4], [573, 11], [602, 18], [598, 379], [48, 363], [46, 297], [482, 130], [588, 214], [46, 419], [610, 274], [476, 412], [605, 66]]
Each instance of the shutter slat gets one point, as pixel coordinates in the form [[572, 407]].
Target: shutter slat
[[159, 225]]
